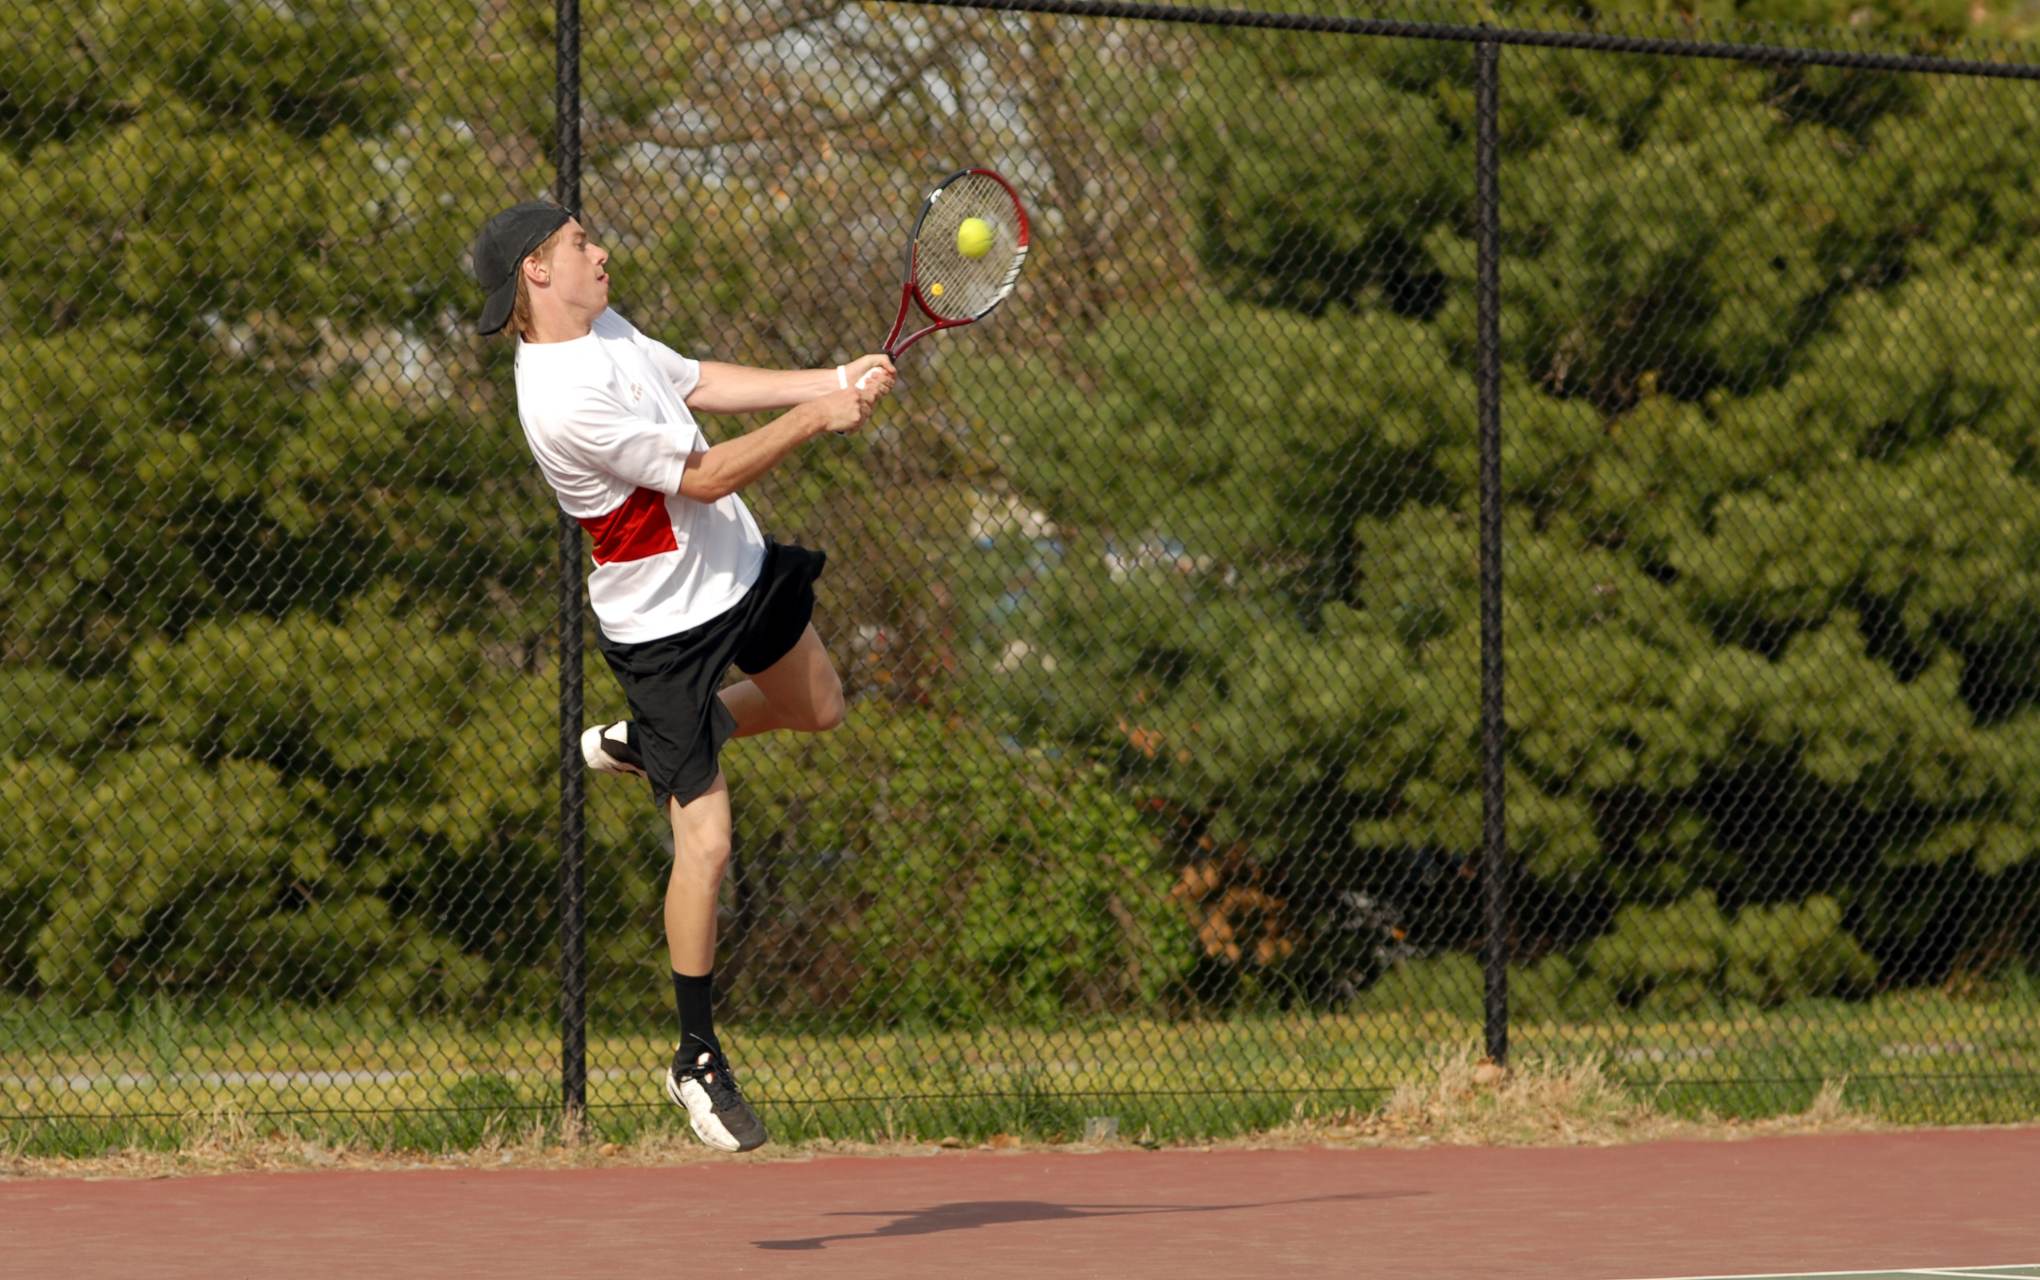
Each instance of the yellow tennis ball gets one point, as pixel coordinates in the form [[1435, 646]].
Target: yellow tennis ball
[[935, 290], [974, 238]]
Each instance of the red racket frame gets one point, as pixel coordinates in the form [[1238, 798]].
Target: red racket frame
[[910, 289]]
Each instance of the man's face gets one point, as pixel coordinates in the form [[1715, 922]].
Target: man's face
[[578, 274]]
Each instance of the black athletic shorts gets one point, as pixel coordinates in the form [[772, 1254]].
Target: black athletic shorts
[[678, 724]]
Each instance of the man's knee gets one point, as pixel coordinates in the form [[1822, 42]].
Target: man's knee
[[701, 855], [829, 708], [701, 836]]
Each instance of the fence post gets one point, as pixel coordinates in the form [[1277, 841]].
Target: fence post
[[1486, 162], [573, 922]]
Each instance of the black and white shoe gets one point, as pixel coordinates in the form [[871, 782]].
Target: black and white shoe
[[607, 749], [700, 1081]]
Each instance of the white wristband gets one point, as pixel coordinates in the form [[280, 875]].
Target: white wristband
[[842, 378]]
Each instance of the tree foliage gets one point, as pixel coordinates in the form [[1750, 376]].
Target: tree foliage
[[1157, 594]]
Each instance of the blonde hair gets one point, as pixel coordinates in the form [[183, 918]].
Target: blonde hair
[[520, 309]]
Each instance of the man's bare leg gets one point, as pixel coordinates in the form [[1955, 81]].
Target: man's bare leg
[[701, 853], [700, 1078], [801, 692]]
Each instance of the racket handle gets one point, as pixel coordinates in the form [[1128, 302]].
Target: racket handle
[[865, 376]]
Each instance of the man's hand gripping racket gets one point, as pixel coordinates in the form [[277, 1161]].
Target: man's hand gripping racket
[[963, 256]]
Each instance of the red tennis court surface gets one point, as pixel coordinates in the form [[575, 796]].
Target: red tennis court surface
[[1883, 1203]]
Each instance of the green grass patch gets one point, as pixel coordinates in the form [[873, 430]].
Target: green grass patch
[[150, 1078]]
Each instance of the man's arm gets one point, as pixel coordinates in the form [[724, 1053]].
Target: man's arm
[[715, 473], [736, 388]]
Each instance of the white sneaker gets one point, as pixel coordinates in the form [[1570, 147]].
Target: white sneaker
[[607, 749], [702, 1083]]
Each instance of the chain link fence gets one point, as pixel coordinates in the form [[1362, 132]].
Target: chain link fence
[[1157, 597]]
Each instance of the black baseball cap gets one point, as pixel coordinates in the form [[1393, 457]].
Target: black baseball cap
[[507, 240]]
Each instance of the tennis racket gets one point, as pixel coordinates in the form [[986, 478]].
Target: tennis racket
[[950, 287]]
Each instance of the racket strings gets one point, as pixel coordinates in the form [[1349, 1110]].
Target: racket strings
[[970, 286]]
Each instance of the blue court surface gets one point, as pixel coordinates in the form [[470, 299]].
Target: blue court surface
[[2008, 1271]]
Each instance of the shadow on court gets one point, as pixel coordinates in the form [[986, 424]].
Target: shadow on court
[[966, 1214]]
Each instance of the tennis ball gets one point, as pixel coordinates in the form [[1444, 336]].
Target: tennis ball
[[974, 238]]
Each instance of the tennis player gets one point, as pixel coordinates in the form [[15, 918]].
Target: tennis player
[[684, 585]]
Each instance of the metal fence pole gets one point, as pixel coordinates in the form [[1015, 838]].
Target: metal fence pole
[[573, 835], [1492, 726]]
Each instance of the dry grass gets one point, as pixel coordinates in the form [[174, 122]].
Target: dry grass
[[1468, 1101], [1462, 1100]]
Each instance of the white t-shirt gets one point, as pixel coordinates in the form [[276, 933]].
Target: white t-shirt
[[607, 420]]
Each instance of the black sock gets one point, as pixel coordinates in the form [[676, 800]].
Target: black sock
[[696, 1005]]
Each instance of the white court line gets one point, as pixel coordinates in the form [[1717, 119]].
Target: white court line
[[2005, 1270]]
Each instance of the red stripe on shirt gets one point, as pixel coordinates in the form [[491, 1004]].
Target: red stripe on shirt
[[637, 530]]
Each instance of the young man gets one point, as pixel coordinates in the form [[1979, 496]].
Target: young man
[[684, 585]]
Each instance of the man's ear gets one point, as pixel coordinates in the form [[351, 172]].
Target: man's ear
[[535, 270]]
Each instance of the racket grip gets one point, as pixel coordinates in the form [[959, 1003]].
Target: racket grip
[[866, 374]]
